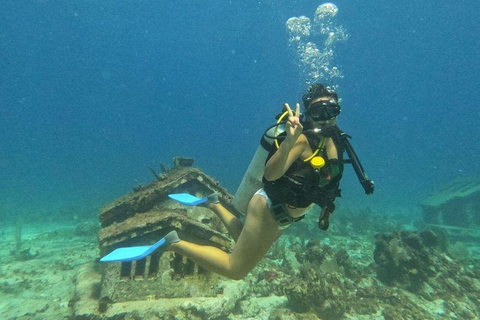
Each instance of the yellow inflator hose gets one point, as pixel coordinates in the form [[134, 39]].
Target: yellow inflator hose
[[316, 162]]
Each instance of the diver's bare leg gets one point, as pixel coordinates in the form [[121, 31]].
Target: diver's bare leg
[[257, 236], [232, 223]]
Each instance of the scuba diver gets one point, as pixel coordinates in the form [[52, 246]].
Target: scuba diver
[[305, 170], [299, 163]]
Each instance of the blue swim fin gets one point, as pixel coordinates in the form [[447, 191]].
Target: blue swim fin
[[187, 199], [137, 253]]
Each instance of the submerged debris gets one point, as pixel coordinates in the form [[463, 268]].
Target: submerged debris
[[23, 255], [163, 169], [178, 162], [159, 178]]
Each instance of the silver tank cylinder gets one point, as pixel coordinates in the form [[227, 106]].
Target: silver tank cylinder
[[252, 180]]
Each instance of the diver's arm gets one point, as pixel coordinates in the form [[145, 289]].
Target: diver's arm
[[290, 149], [283, 158]]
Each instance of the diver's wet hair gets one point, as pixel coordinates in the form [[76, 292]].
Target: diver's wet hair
[[317, 90]]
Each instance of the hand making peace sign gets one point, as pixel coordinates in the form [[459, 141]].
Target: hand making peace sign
[[293, 127]]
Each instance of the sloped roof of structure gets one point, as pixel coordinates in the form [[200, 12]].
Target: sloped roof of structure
[[149, 210], [457, 189]]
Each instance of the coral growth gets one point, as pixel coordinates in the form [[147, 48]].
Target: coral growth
[[403, 258], [320, 285], [329, 285]]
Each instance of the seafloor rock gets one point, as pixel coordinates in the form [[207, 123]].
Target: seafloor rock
[[323, 268], [319, 292], [404, 259], [328, 259], [412, 261], [325, 287]]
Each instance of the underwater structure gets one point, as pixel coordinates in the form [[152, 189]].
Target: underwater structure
[[455, 206], [144, 216]]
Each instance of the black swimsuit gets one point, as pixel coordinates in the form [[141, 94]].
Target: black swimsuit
[[302, 185]]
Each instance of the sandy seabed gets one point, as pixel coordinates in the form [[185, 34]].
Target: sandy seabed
[[42, 287]]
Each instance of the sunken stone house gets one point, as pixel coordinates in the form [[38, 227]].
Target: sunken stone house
[[142, 217], [456, 205]]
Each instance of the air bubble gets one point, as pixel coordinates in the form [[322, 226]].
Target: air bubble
[[313, 44]]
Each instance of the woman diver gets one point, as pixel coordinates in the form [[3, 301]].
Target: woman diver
[[304, 170]]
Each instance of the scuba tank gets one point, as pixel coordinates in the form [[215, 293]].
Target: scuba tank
[[252, 180]]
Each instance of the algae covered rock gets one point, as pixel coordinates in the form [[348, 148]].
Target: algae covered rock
[[320, 285], [404, 258]]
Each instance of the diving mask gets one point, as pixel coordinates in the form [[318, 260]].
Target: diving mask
[[324, 110]]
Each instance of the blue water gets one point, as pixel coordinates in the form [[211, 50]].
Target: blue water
[[93, 92]]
